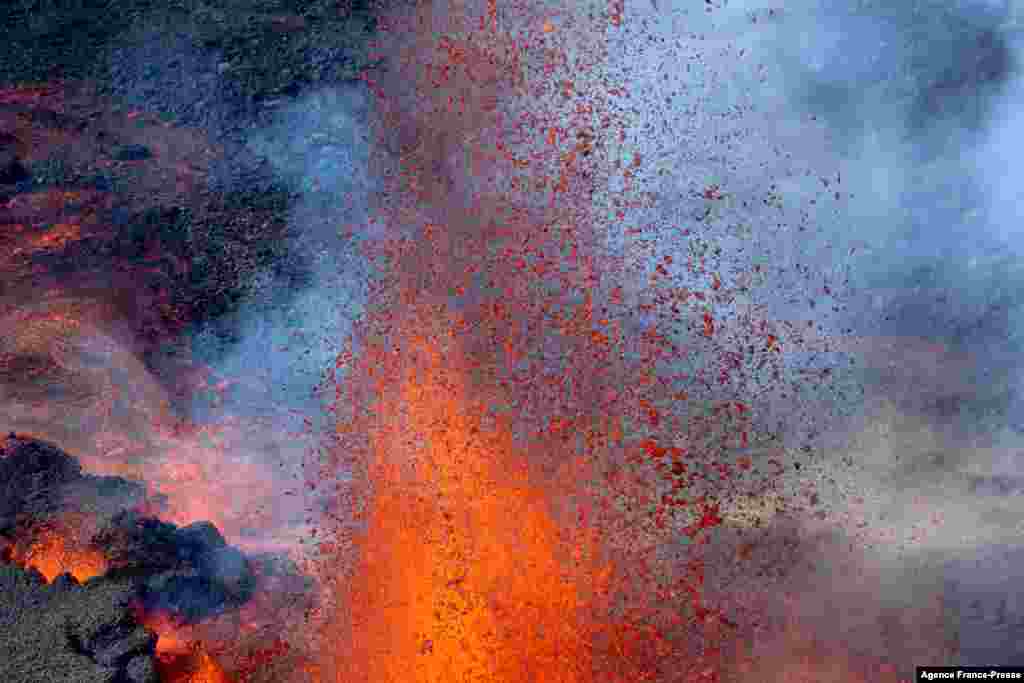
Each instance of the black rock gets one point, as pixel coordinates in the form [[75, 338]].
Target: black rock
[[102, 182], [200, 537], [11, 169], [38, 481], [190, 571], [13, 172], [69, 633], [65, 581], [120, 645], [32, 474]]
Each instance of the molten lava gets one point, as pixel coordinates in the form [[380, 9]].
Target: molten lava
[[464, 573], [180, 657], [53, 553], [479, 423], [197, 667]]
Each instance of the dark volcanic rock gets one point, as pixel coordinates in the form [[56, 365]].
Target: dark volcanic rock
[[38, 481], [259, 39], [190, 571], [115, 208], [142, 670], [32, 475], [70, 633], [73, 632]]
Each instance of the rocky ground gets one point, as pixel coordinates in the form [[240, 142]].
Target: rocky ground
[[123, 163], [69, 632], [269, 48]]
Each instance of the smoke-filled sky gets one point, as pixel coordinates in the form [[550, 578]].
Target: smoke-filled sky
[[319, 145]]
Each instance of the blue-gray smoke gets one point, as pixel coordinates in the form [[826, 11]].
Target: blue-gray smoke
[[319, 146], [279, 346], [870, 148]]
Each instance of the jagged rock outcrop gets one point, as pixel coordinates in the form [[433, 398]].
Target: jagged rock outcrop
[[87, 632], [187, 570], [39, 482], [66, 632]]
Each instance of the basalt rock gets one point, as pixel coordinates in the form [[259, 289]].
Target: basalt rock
[[39, 482], [190, 572], [67, 632], [11, 169], [132, 153]]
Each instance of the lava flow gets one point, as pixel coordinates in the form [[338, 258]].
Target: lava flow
[[57, 550], [180, 659], [465, 571]]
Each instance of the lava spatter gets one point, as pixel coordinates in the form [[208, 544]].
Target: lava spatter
[[524, 444]]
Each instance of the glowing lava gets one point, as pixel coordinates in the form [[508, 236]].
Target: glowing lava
[[477, 396], [197, 667], [180, 657], [464, 574], [54, 553]]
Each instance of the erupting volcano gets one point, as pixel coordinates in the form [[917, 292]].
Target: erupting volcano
[[512, 523], [438, 341]]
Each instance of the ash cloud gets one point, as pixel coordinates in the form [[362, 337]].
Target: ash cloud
[[279, 132]]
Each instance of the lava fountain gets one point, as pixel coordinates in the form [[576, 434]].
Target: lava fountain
[[464, 571], [484, 405], [465, 564], [541, 426]]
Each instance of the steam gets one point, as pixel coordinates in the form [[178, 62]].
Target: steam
[[319, 146]]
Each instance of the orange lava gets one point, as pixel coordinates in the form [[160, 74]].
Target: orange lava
[[181, 658], [471, 441], [57, 236], [53, 554], [464, 574], [172, 638]]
